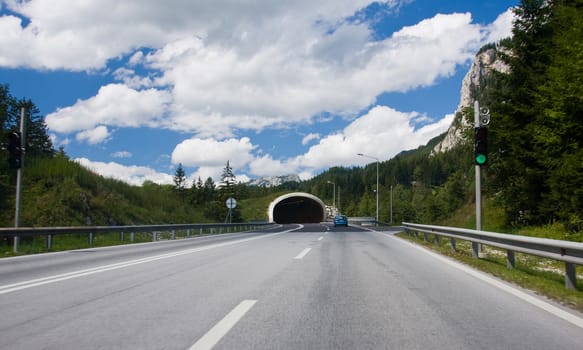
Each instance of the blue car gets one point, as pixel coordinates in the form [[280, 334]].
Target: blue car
[[340, 220]]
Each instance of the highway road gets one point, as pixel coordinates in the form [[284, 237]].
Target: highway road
[[307, 286]]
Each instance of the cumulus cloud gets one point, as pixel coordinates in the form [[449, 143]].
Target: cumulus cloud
[[134, 175], [122, 154], [501, 28], [225, 66], [309, 138], [94, 136], [217, 69], [381, 133], [212, 153], [114, 105]]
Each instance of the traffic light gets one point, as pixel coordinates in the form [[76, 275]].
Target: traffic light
[[15, 150], [481, 145]]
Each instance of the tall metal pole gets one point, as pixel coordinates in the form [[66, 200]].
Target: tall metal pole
[[391, 204], [477, 248], [339, 200], [377, 217], [333, 196], [377, 189], [19, 174]]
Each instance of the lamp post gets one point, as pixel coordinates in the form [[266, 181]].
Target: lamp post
[[377, 190], [391, 204], [334, 196], [338, 201]]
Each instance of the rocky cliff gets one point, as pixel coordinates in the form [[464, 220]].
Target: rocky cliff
[[484, 64]]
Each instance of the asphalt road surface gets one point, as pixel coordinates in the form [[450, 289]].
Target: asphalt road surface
[[298, 287]]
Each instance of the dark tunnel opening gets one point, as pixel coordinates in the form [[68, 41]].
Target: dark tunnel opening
[[294, 210]]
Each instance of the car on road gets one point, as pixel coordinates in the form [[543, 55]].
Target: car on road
[[340, 220]]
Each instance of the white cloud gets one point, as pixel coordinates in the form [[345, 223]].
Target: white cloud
[[213, 154], [134, 175], [267, 166], [94, 136], [309, 138], [84, 35], [114, 105], [382, 133], [122, 154], [214, 68], [501, 28], [224, 66]]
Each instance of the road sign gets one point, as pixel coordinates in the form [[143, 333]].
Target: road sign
[[231, 203]]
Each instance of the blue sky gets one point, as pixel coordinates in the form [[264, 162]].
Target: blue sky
[[132, 89]]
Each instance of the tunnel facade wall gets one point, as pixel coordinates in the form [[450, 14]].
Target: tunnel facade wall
[[297, 207]]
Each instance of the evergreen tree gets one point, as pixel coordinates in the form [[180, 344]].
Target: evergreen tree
[[228, 180], [180, 180], [519, 177]]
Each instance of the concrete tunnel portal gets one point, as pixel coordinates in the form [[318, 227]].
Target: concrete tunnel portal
[[297, 208]]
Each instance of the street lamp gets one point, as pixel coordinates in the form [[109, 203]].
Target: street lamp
[[377, 190], [334, 196]]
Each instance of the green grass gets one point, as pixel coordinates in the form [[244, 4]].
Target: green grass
[[542, 276]]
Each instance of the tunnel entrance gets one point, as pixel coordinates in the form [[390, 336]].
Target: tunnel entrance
[[297, 208]]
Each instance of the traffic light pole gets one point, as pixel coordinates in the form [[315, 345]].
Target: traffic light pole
[[19, 174], [476, 247]]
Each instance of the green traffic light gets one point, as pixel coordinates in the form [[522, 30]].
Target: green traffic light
[[481, 159]]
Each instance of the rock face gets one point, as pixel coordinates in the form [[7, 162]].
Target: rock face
[[271, 181], [484, 64]]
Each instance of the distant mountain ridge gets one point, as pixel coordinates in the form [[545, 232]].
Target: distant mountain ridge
[[272, 181]]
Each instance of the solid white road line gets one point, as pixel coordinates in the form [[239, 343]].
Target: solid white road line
[[80, 273], [213, 336], [558, 312], [303, 254]]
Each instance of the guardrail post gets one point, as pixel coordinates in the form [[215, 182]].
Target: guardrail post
[[570, 276], [173, 235], [132, 236], [154, 236], [188, 233], [212, 230], [200, 231], [90, 239], [475, 250], [510, 260], [425, 237], [49, 242], [121, 236], [435, 239], [452, 245]]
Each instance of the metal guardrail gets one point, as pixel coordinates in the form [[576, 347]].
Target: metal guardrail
[[571, 253], [362, 221], [154, 230]]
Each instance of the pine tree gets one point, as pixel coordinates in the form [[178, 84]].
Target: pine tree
[[180, 180], [228, 181], [518, 175]]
